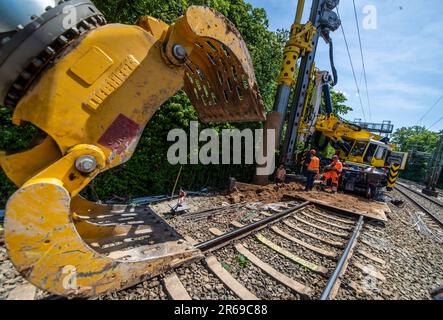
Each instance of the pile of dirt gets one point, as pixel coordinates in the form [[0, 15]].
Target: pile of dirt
[[276, 193], [265, 194]]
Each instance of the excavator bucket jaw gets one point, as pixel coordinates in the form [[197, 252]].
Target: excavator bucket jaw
[[71, 251], [219, 76], [102, 94]]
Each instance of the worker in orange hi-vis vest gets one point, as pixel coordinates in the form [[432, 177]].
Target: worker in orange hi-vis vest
[[333, 172], [312, 171]]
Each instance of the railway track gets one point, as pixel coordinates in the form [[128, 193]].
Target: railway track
[[301, 252], [429, 219]]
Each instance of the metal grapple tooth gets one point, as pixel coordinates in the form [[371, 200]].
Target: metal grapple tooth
[[219, 78]]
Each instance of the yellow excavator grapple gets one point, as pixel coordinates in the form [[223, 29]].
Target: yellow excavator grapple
[[92, 87]]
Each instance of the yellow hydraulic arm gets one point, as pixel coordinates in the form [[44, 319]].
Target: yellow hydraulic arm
[[336, 129], [94, 102]]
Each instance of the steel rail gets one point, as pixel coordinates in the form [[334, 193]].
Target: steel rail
[[239, 233], [431, 214], [341, 263], [438, 203]]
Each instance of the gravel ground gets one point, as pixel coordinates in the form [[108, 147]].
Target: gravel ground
[[414, 262], [253, 278], [429, 205], [295, 271], [201, 284], [299, 251], [9, 277], [148, 290], [199, 229], [419, 187]]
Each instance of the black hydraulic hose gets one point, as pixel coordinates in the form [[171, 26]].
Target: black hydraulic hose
[[338, 270], [317, 137], [331, 59]]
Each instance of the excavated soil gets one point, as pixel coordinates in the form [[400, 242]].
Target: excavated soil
[[273, 193]]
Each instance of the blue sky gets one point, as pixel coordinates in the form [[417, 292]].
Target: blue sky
[[403, 57]]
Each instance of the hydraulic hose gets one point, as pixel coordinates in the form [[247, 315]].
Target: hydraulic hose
[[331, 59]]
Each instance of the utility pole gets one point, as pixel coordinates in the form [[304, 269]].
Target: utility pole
[[434, 170]]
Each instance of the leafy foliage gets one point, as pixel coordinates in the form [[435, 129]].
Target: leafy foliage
[[242, 261], [420, 143]]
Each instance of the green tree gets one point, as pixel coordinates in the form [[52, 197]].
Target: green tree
[[419, 142], [415, 138], [339, 103]]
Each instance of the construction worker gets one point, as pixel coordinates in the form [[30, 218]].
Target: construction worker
[[280, 176], [333, 172], [312, 170]]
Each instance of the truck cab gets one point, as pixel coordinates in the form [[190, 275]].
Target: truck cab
[[369, 152]]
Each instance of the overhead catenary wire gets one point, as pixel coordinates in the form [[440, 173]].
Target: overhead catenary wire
[[435, 123], [430, 109], [352, 66], [362, 59]]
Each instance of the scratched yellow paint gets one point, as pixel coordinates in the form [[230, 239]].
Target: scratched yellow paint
[[115, 73]]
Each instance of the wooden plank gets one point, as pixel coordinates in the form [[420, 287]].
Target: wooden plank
[[289, 255], [301, 289], [354, 205], [328, 216], [23, 292], [347, 228], [371, 257], [314, 236], [175, 288], [308, 246], [266, 214], [370, 271], [372, 236], [237, 224], [228, 279], [379, 232], [313, 225], [372, 245], [216, 232]]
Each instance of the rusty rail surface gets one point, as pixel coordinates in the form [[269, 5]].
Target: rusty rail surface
[[342, 262], [438, 203]]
